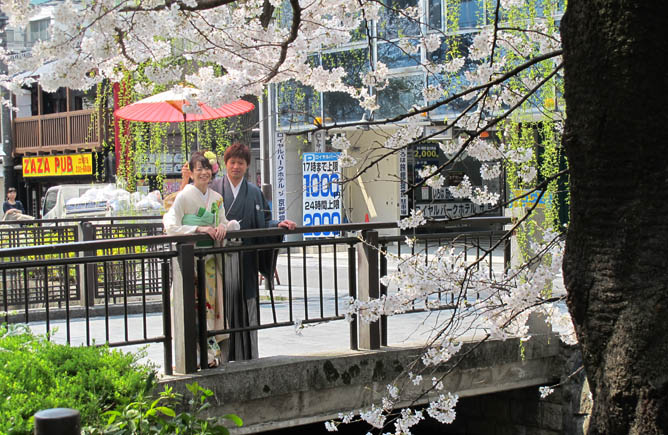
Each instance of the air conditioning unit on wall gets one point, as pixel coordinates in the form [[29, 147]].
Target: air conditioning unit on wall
[[436, 132]]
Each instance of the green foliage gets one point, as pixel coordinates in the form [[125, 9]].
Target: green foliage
[[139, 140], [160, 416], [37, 374]]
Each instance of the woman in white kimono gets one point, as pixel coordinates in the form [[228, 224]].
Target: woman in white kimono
[[198, 209]]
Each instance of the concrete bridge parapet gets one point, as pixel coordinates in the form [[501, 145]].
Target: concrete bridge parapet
[[285, 391]]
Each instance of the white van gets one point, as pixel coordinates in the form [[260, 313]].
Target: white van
[[62, 202]]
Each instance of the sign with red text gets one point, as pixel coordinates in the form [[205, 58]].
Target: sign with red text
[[58, 166]]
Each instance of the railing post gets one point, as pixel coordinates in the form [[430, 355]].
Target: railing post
[[383, 292], [87, 234], [166, 317], [352, 292], [202, 337], [58, 421], [183, 298], [368, 286], [507, 254]]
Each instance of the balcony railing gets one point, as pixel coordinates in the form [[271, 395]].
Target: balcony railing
[[67, 131]]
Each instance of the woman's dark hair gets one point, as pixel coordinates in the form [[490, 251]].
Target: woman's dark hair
[[11, 189], [198, 156], [239, 151]]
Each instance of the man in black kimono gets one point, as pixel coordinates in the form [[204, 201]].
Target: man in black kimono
[[245, 203]]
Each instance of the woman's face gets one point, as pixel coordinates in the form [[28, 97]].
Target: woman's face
[[201, 176], [11, 195]]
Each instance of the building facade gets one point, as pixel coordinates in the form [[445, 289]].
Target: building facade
[[383, 193]]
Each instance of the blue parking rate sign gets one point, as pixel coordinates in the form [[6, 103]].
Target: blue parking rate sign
[[322, 192]]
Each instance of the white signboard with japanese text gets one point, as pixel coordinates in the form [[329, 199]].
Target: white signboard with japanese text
[[322, 192], [451, 210], [403, 185], [319, 141], [280, 200]]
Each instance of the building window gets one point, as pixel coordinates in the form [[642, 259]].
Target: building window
[[39, 30], [340, 106]]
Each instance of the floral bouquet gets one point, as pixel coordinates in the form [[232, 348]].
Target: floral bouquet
[[213, 160]]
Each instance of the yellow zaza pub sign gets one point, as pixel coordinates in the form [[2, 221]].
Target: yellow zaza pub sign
[[58, 166]]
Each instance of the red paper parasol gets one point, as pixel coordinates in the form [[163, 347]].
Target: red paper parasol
[[167, 107]]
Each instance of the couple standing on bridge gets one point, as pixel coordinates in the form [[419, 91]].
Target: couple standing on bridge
[[212, 206]]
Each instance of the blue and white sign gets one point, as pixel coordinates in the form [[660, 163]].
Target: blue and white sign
[[322, 192], [280, 201], [403, 185]]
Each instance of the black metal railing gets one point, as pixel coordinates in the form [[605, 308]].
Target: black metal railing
[[21, 291], [125, 280]]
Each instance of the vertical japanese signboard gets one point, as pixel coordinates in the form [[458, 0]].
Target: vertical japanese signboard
[[322, 192], [403, 185], [319, 141], [280, 201]]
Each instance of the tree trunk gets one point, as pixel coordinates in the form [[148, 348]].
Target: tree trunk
[[616, 265]]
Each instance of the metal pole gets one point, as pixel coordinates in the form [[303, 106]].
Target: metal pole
[[265, 142]]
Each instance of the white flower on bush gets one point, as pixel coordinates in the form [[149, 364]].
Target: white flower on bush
[[432, 92], [408, 419], [331, 426], [371, 10], [415, 379], [437, 355], [484, 196], [376, 78], [340, 142], [449, 147], [393, 391], [528, 174], [415, 219], [406, 134], [432, 42], [346, 160], [409, 46], [375, 417], [435, 181], [443, 409], [484, 150], [368, 102], [545, 391], [463, 189], [507, 4], [489, 172], [454, 65], [518, 155]]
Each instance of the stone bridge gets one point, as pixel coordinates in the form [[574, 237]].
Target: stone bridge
[[285, 391]]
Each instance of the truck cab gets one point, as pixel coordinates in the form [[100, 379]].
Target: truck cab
[[63, 202]]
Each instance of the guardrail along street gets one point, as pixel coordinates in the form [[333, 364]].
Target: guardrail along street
[[108, 280]]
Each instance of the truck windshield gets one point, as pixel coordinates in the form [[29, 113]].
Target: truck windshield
[[49, 201]]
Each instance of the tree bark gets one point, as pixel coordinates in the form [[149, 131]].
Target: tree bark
[[615, 265]]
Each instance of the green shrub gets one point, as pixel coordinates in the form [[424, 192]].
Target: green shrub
[[36, 374], [169, 413]]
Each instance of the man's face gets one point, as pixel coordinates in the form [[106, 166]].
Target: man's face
[[236, 169]]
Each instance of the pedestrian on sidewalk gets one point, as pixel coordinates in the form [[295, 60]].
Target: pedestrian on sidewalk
[[12, 205]]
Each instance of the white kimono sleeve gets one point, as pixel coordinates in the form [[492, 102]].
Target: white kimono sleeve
[[172, 220]]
